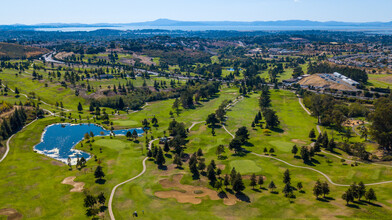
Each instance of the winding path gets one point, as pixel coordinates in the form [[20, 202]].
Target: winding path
[[9, 139], [308, 168], [127, 181]]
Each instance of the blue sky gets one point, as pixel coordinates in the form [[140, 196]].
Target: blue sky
[[125, 11]]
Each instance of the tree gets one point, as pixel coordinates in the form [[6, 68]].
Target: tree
[[325, 188], [370, 195], [242, 134], [99, 172], [129, 135], [312, 134], [219, 150], [272, 186], [286, 177], [348, 196], [199, 153], [260, 181], [235, 145], [317, 189], [233, 174], [160, 160], [305, 154], [361, 190], [381, 128], [80, 107], [238, 185], [218, 185], [226, 181], [294, 150], [202, 166], [134, 134], [177, 160], [299, 186], [253, 181], [265, 150], [166, 147], [287, 190], [89, 201], [212, 120], [101, 198], [271, 151], [271, 119]]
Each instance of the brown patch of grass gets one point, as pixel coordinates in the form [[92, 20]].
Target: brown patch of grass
[[297, 141], [57, 163], [11, 213]]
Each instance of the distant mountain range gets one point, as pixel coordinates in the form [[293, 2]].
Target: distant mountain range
[[166, 22]]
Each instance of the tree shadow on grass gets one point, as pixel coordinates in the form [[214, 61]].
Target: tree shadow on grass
[[243, 197], [370, 203], [162, 167], [277, 130], [325, 199], [168, 155], [100, 181], [222, 195], [352, 206], [248, 144], [256, 190], [314, 161], [297, 157]]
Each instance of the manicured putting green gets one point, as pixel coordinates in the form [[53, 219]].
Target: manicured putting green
[[245, 166], [282, 145]]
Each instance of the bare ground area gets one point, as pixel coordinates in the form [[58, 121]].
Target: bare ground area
[[192, 194], [317, 81], [63, 55], [78, 186], [11, 213]]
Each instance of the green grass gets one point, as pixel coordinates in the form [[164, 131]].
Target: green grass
[[245, 166]]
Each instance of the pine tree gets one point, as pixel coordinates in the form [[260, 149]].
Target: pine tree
[[348, 196], [166, 147], [286, 177], [287, 190], [260, 181], [312, 134], [160, 158], [177, 160], [238, 185], [211, 175], [226, 181], [101, 198], [294, 150], [272, 186], [253, 181], [233, 174], [99, 172], [80, 107], [299, 186]]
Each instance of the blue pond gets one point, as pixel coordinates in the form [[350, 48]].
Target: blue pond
[[58, 140]]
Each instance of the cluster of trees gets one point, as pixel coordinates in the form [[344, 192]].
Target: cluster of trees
[[241, 137], [94, 204], [357, 192], [306, 152], [157, 154], [179, 133], [270, 117], [381, 127], [321, 189], [13, 123]]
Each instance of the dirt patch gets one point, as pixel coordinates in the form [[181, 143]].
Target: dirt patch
[[144, 59], [11, 213], [316, 81], [78, 186], [191, 194], [297, 141], [57, 163], [387, 79], [221, 166], [351, 122], [63, 55]]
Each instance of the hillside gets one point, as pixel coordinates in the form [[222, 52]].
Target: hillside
[[14, 51], [316, 81]]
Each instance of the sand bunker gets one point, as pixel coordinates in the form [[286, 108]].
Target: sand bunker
[[351, 122], [78, 186], [11, 213], [192, 194]]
